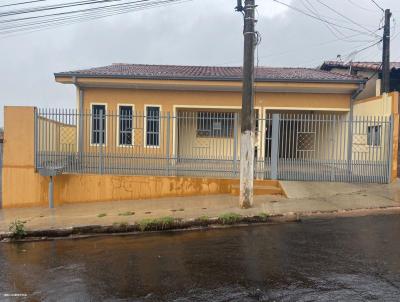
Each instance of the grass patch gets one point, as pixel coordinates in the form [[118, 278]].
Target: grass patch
[[264, 216], [156, 223], [17, 229], [101, 215], [203, 219], [122, 224], [229, 218], [127, 213]]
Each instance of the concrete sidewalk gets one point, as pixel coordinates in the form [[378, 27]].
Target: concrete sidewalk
[[305, 198]]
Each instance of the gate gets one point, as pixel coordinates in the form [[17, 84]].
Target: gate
[[321, 147]]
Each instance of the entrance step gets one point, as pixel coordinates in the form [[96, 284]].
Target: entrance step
[[261, 187]]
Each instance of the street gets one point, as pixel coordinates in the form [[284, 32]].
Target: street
[[342, 259]]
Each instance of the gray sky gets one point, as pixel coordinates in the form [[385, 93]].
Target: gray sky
[[200, 32]]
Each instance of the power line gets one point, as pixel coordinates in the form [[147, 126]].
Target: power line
[[355, 52], [56, 6], [21, 3], [329, 27], [377, 5], [320, 19], [76, 11], [343, 16], [360, 7], [82, 16]]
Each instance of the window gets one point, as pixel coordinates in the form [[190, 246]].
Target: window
[[374, 136], [125, 125], [153, 126], [215, 124], [98, 124]]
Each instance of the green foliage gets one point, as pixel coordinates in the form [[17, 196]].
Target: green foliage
[[156, 223], [122, 224], [101, 215], [17, 228], [229, 218], [264, 216], [203, 218], [127, 213]]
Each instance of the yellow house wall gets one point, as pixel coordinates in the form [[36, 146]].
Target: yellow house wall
[[56, 136], [375, 106], [384, 105], [174, 101], [169, 99], [23, 186]]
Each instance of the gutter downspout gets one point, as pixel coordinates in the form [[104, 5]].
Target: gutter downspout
[[350, 129]]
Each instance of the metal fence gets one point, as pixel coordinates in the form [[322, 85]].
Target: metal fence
[[320, 147]]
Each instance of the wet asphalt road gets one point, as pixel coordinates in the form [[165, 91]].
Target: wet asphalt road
[[343, 259]]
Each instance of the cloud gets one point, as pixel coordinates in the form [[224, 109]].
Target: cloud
[[204, 32]]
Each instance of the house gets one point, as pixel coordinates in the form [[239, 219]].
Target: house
[[146, 131], [368, 70]]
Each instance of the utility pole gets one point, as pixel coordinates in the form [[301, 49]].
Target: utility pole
[[385, 85], [247, 135]]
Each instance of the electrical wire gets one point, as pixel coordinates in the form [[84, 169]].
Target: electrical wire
[[56, 6], [78, 16], [355, 52], [343, 16], [21, 3], [320, 19], [377, 5], [360, 7], [312, 10]]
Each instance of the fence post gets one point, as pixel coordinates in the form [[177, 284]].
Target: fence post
[[275, 145], [350, 147], [35, 142], [51, 192], [168, 142], [390, 144], [235, 142], [81, 116], [101, 131]]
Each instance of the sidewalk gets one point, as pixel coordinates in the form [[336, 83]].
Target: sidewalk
[[305, 198]]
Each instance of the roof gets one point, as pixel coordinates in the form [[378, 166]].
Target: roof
[[210, 73], [373, 66]]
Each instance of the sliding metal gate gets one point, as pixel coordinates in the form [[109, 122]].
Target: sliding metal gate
[[314, 147]]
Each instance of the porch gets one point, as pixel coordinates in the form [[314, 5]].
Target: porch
[[204, 142]]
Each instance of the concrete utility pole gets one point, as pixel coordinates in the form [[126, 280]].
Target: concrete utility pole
[[385, 85], [247, 117]]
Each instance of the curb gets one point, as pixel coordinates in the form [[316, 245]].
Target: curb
[[190, 224], [176, 225]]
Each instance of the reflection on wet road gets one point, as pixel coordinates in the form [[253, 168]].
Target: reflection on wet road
[[344, 259]]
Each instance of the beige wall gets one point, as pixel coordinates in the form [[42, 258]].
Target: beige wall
[[169, 99], [372, 87], [23, 186], [375, 106], [175, 101], [56, 136]]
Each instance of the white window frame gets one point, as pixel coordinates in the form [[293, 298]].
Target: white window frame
[[373, 136], [91, 124], [133, 130], [145, 126]]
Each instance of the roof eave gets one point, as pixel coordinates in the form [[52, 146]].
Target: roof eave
[[231, 79]]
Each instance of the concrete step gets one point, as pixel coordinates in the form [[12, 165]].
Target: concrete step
[[260, 190]]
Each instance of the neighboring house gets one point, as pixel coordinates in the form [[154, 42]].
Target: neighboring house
[[368, 70], [145, 131]]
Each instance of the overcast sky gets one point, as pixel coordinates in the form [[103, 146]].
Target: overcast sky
[[200, 32]]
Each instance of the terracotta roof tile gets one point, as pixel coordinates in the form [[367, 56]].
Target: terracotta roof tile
[[327, 65], [176, 72]]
